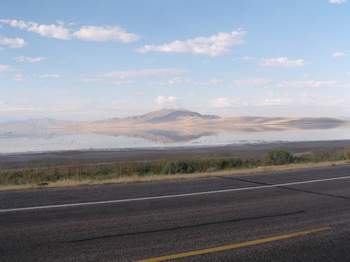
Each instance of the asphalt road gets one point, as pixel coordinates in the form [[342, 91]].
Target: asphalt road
[[291, 216]]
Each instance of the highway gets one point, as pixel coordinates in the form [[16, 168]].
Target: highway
[[289, 216]]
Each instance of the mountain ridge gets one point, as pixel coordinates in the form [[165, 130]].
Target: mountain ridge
[[166, 115]]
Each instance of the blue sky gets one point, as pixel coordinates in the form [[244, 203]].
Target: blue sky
[[99, 59]]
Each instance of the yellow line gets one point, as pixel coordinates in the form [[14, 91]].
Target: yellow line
[[235, 246]]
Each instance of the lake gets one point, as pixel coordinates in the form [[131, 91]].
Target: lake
[[17, 144]]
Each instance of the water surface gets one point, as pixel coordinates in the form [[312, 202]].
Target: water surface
[[58, 142]]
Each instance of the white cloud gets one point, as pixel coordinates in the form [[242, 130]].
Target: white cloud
[[166, 101], [51, 31], [58, 31], [145, 73], [339, 54], [64, 32], [221, 102], [4, 68], [282, 62], [105, 33], [308, 83], [274, 102], [337, 2], [179, 81], [187, 81], [29, 59], [215, 45], [15, 42], [15, 23]]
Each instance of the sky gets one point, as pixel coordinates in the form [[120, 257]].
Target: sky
[[88, 60]]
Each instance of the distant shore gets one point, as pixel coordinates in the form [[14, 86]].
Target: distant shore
[[253, 151]]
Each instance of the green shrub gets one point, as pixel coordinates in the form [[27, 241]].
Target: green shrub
[[179, 167], [143, 168], [230, 163], [347, 154], [279, 157]]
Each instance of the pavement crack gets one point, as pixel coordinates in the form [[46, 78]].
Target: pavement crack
[[234, 220], [243, 180], [287, 188]]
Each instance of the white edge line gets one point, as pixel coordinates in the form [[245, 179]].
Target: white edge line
[[169, 196]]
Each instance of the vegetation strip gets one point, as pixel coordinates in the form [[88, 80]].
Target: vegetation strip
[[152, 170]]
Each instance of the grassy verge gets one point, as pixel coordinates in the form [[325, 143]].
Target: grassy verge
[[126, 172]]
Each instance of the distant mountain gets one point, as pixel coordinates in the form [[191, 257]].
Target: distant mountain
[[168, 125], [171, 125], [170, 115], [316, 123]]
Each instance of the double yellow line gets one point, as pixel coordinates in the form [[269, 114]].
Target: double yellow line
[[236, 245]]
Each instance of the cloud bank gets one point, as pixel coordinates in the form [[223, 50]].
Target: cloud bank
[[282, 62], [64, 32], [215, 45]]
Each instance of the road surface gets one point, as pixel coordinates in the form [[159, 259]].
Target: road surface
[[290, 216]]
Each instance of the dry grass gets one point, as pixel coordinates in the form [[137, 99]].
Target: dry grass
[[149, 178]]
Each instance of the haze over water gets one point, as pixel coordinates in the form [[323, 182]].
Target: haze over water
[[98, 141]]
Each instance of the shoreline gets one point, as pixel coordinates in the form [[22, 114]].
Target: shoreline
[[249, 150], [176, 147]]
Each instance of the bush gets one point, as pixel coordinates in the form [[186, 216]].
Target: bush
[[279, 157], [178, 167], [82, 172], [230, 163]]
